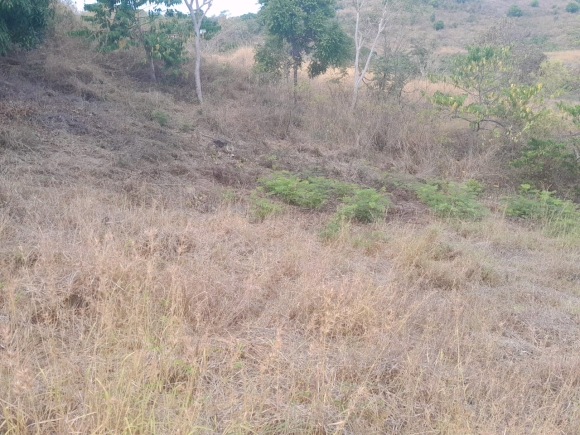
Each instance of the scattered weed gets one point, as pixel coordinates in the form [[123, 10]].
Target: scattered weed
[[160, 116], [261, 208]]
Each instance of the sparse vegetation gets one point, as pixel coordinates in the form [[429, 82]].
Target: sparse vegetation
[[160, 116]]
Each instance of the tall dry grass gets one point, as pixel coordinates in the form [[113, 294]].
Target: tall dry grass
[[119, 318], [137, 295]]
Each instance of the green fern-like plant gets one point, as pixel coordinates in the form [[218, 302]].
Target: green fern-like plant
[[452, 200]]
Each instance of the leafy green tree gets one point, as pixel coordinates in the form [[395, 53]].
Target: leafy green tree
[[391, 72], [490, 98], [300, 31], [121, 23], [22, 23], [572, 7]]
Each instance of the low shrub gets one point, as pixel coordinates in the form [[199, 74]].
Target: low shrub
[[546, 161], [261, 208], [160, 116], [366, 205], [572, 8], [559, 215], [356, 204], [311, 192], [438, 25], [452, 200], [515, 11]]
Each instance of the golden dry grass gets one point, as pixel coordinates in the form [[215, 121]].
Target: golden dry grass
[[567, 57], [119, 318], [139, 296]]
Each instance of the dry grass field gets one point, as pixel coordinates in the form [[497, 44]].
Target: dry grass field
[[139, 294]]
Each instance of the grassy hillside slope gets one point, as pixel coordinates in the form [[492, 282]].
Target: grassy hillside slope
[[141, 292]]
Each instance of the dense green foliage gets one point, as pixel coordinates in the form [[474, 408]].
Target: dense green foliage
[[310, 192], [452, 200], [365, 205], [356, 204], [439, 25], [515, 11], [548, 162], [301, 31], [120, 24], [23, 23], [572, 7]]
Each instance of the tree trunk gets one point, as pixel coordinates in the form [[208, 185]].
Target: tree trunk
[[295, 71], [152, 65], [359, 42], [198, 11], [198, 66]]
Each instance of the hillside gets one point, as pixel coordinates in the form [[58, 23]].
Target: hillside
[[149, 284]]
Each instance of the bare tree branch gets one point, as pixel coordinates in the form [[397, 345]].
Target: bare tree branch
[[359, 41]]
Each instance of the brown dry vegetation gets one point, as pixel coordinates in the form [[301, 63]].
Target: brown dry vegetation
[[139, 296]]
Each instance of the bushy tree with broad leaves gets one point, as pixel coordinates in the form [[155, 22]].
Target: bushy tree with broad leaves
[[302, 31], [121, 23], [23, 23]]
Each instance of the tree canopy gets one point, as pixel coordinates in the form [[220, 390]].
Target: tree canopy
[[302, 31], [22, 23]]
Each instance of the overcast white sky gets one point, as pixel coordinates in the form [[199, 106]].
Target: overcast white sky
[[236, 7]]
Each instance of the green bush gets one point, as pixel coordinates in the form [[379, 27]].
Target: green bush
[[452, 200], [535, 3], [366, 205], [572, 8], [311, 192], [548, 161], [514, 11], [438, 25], [561, 216], [362, 205], [23, 23], [160, 116]]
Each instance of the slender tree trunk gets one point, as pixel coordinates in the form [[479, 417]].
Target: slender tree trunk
[[359, 41], [198, 67], [198, 10], [152, 65]]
